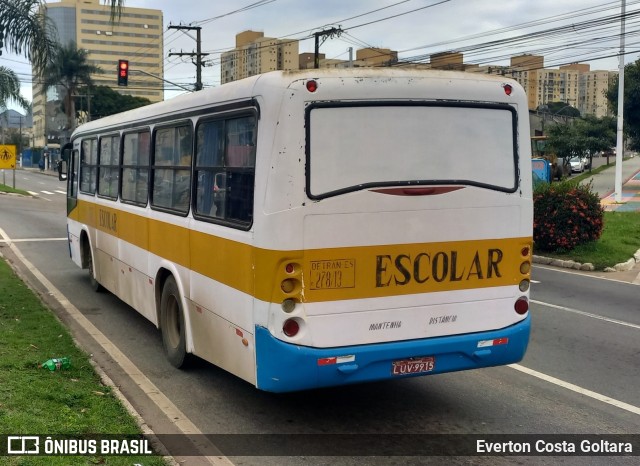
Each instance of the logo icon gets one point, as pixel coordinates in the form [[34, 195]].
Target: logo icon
[[23, 445]]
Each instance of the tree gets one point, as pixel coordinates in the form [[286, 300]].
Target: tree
[[631, 101], [583, 137], [599, 133], [10, 88], [105, 101], [560, 108], [13, 136], [28, 32], [70, 69]]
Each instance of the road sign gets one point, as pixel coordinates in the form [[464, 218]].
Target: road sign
[[7, 156]]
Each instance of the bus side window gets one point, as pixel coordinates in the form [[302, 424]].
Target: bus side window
[[210, 189], [241, 160], [89, 166], [172, 168], [135, 167], [225, 166]]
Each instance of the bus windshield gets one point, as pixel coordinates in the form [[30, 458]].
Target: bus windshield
[[356, 146]]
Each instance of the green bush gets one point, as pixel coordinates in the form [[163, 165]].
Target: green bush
[[565, 215]]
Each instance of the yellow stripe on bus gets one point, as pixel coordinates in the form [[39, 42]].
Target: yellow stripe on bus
[[328, 274]]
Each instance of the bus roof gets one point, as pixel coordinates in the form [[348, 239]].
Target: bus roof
[[244, 89]]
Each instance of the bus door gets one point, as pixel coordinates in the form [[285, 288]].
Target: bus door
[[68, 170]]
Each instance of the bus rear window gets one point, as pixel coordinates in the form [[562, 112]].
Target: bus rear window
[[356, 146]]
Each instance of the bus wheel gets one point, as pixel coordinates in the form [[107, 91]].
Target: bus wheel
[[172, 324], [95, 285]]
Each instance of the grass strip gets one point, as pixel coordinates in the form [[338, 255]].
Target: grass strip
[[36, 401], [620, 240], [8, 189]]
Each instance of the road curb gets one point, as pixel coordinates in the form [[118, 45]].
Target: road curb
[[567, 264], [587, 267]]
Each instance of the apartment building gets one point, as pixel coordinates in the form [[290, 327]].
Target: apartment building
[[366, 57], [137, 36], [254, 54], [592, 98], [573, 84]]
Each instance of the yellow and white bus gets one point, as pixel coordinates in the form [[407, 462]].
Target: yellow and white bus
[[314, 228]]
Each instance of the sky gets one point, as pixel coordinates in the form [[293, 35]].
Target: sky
[[564, 31]]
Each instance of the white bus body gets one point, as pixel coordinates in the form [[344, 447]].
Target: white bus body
[[316, 228]]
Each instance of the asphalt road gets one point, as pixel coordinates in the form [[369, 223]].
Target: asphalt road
[[580, 375]]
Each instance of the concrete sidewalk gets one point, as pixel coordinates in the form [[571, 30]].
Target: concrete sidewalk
[[604, 184]]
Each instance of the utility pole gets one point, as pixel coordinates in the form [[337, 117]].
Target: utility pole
[[333, 32], [619, 126], [198, 54]]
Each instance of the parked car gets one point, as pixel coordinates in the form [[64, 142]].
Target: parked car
[[577, 164]]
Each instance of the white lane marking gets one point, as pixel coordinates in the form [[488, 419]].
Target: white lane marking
[[171, 411], [27, 240], [46, 192], [60, 192], [535, 281], [33, 193], [575, 388], [582, 274], [588, 314]]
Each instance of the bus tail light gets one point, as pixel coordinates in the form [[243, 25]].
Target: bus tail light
[[522, 305], [288, 285], [290, 293], [291, 327], [288, 305], [312, 85]]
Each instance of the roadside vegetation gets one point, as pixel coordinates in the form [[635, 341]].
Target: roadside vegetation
[[8, 189], [569, 224], [34, 400], [620, 240]]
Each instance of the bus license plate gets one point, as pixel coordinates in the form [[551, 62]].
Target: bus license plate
[[413, 366]]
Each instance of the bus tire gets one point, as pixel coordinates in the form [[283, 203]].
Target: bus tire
[[172, 324], [95, 285]]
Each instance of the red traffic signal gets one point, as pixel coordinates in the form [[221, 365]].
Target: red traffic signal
[[123, 72]]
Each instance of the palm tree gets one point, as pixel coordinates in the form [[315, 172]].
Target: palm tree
[[69, 69], [28, 32], [10, 88]]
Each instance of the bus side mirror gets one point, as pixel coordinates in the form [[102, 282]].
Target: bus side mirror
[[62, 170]]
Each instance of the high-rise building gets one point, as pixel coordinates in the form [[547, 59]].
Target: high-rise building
[[137, 36], [255, 54], [592, 98], [572, 84]]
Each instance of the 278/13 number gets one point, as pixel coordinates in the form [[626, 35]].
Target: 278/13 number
[[332, 274], [329, 279]]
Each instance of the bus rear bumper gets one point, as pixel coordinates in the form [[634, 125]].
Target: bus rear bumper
[[283, 367]]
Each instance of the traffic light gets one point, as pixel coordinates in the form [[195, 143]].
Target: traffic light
[[123, 72], [1, 39]]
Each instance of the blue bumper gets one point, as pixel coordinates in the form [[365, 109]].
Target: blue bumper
[[283, 367]]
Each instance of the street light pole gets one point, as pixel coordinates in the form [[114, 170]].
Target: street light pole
[[619, 138]]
